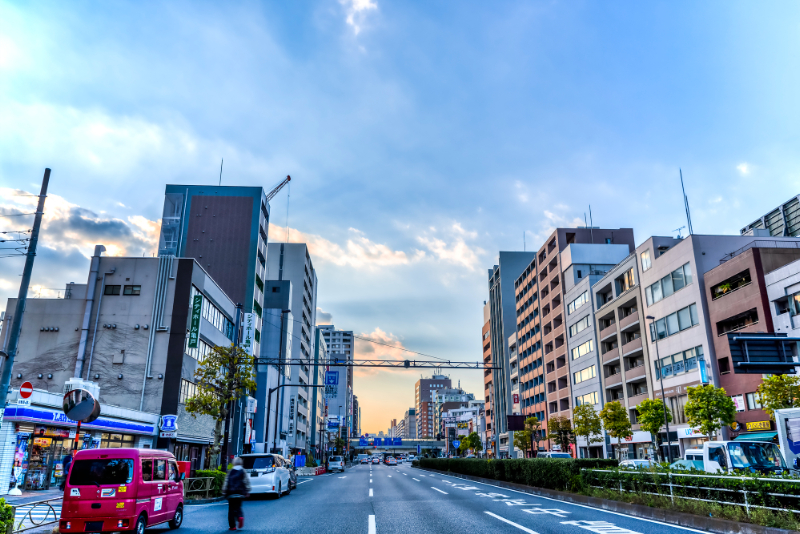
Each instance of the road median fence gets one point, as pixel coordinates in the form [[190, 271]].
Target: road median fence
[[748, 492], [550, 473]]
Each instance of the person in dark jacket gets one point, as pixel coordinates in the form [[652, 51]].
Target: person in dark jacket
[[236, 488], [66, 463]]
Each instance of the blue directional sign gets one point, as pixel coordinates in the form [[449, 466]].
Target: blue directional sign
[[419, 450], [456, 443], [378, 442], [397, 441], [362, 442], [331, 378]]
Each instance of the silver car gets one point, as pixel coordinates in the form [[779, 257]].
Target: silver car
[[336, 463], [269, 473]]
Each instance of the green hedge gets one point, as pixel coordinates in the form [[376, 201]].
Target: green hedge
[[550, 473], [773, 492], [217, 475]]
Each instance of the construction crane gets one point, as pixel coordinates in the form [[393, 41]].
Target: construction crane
[[274, 192]]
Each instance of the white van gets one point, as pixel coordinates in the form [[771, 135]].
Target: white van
[[754, 456]]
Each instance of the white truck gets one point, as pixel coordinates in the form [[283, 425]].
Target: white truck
[[787, 423], [729, 456]]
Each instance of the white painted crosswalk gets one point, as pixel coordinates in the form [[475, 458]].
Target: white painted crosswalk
[[40, 514]]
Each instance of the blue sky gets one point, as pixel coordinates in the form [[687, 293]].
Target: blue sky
[[422, 137]]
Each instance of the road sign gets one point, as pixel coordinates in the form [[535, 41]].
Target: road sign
[[25, 390], [419, 450], [456, 443]]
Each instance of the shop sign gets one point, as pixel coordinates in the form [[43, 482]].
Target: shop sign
[[736, 426], [23, 402], [738, 402], [680, 389], [168, 434], [638, 437], [194, 329], [52, 432], [758, 425], [42, 442], [169, 423], [684, 433], [36, 415], [248, 330], [251, 405]]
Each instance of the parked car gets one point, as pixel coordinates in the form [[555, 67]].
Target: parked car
[[637, 464], [336, 463], [269, 473], [122, 490], [554, 455], [687, 465]]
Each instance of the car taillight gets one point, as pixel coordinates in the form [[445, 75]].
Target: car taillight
[[66, 525], [122, 523]]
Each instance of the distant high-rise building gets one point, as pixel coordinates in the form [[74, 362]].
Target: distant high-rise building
[[340, 343], [409, 424], [423, 401]]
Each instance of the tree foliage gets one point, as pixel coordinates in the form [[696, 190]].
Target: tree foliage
[[778, 392], [588, 424], [534, 426], [616, 422], [560, 430], [651, 416], [522, 439], [708, 409], [224, 375]]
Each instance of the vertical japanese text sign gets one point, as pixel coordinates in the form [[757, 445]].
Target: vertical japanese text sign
[[194, 330]]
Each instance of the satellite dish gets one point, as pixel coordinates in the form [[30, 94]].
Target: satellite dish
[[80, 405]]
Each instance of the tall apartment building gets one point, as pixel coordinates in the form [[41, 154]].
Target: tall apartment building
[[582, 265], [783, 221], [423, 403], [292, 262], [623, 357], [682, 339], [138, 329], [341, 346], [530, 373], [502, 311], [356, 421], [409, 424], [317, 419], [739, 301], [399, 429], [486, 342]]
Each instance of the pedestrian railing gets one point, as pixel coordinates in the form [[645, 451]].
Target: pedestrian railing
[[199, 488], [36, 514], [747, 492]]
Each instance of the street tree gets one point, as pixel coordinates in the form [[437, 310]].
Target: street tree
[[522, 439], [338, 445], [588, 424], [616, 422], [708, 409], [534, 426], [475, 444], [224, 375], [651, 417], [778, 392], [560, 430]]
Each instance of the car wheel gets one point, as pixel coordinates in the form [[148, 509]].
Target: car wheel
[[141, 524], [289, 487], [278, 495], [176, 521]]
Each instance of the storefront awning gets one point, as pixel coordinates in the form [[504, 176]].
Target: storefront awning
[[756, 436]]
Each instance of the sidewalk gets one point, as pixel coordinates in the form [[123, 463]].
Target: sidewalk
[[33, 496]]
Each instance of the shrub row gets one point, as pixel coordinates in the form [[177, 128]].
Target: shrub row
[[217, 475], [550, 473], [774, 493]]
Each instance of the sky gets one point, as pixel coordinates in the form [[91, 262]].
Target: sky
[[421, 137]]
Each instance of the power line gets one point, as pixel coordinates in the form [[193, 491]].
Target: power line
[[16, 214]]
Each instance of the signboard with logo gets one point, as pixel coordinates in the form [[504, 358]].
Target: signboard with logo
[[758, 425], [251, 405], [291, 414], [689, 433], [168, 426], [738, 401], [248, 331], [333, 421], [197, 313], [331, 384]]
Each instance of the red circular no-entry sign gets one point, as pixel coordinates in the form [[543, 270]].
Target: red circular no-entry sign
[[25, 390]]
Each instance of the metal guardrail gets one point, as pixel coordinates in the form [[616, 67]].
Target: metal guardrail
[[201, 487], [36, 514], [744, 492]]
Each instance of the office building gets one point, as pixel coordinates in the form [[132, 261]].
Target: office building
[[317, 419], [423, 404], [409, 424], [783, 221], [502, 312], [137, 330], [583, 265], [445, 399], [488, 390], [620, 352], [291, 262]]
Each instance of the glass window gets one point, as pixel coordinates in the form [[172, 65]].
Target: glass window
[[690, 356], [645, 260], [666, 286], [648, 293], [160, 472], [147, 470], [684, 318], [132, 290], [657, 295], [693, 312], [666, 366], [677, 364], [672, 324], [677, 279], [173, 472], [753, 401], [687, 274], [112, 290], [101, 471]]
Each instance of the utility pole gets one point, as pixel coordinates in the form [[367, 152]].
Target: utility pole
[[16, 322], [231, 405]]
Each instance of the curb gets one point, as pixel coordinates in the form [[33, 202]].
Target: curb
[[709, 524], [194, 502]]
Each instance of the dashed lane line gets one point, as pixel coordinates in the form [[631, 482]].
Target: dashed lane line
[[371, 524], [370, 492], [437, 489], [524, 529], [415, 479]]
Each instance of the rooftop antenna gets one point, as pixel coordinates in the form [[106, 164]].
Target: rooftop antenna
[[679, 231], [220, 170], [591, 224], [686, 205]]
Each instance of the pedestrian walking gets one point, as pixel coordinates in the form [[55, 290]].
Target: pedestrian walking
[[235, 489], [65, 465]]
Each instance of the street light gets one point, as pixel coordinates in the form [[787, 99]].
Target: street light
[[269, 406], [654, 335]]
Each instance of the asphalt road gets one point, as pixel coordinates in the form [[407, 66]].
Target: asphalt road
[[378, 499]]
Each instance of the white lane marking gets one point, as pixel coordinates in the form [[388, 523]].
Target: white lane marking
[[304, 481], [390, 476], [371, 524], [370, 481], [415, 479], [343, 476], [370, 492], [443, 480], [672, 525], [524, 529], [437, 489], [601, 527]]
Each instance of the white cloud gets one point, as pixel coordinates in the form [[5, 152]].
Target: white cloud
[[324, 317], [356, 11], [744, 168], [457, 251], [387, 347]]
